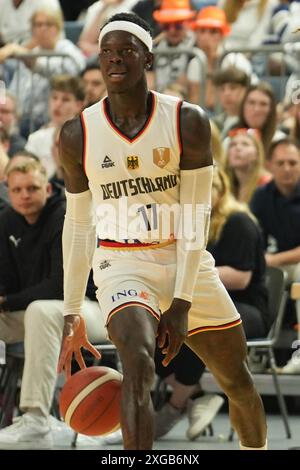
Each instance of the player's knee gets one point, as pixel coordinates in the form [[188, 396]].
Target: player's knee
[[140, 367], [240, 389]]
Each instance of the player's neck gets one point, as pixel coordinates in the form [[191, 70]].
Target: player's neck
[[133, 103]]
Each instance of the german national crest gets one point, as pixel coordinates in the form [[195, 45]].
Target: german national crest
[[132, 162]]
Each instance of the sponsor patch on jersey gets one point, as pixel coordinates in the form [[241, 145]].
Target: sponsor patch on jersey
[[107, 162], [161, 156], [132, 162]]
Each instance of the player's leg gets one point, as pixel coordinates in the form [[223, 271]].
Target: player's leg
[[224, 352], [133, 331]]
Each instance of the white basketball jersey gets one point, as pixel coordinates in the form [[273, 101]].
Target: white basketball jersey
[[134, 181]]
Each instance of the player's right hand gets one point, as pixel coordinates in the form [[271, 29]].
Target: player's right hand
[[74, 338]]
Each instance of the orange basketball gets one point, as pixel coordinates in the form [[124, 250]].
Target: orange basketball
[[90, 401]]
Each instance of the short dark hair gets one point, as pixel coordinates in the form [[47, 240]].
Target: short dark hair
[[92, 66], [231, 75], [282, 141], [132, 18], [68, 84]]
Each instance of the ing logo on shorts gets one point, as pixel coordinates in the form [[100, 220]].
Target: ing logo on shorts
[[130, 293]]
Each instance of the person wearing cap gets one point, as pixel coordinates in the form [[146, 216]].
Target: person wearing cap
[[173, 17], [211, 28], [138, 169]]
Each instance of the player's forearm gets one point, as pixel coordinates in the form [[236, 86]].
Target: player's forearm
[[79, 241], [195, 200]]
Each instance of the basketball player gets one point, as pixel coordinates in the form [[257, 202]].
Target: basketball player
[[110, 161]]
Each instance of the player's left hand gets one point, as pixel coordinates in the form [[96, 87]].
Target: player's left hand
[[173, 328], [74, 338]]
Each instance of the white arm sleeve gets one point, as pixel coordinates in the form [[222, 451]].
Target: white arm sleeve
[[79, 242], [195, 204]]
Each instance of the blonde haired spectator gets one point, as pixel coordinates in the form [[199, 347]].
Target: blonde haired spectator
[[245, 163]]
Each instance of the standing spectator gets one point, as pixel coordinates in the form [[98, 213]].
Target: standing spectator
[[9, 122], [173, 16], [277, 208]]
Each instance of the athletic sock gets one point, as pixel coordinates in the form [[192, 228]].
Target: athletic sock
[[265, 447]]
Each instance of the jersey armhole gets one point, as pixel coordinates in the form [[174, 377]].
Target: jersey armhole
[[84, 138], [178, 128]]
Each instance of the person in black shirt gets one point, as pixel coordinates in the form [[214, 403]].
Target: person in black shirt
[[277, 208], [31, 292], [236, 244]]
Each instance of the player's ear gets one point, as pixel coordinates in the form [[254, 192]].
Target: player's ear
[[148, 60]]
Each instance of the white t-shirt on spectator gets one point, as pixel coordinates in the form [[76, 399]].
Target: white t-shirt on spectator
[[123, 7], [15, 24], [249, 29], [40, 143], [57, 65]]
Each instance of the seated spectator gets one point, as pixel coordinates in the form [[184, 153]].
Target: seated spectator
[[258, 111], [97, 15], [15, 19], [245, 163], [277, 208], [236, 244], [94, 85], [211, 28], [231, 85], [9, 122], [31, 280], [173, 16], [47, 26], [66, 100]]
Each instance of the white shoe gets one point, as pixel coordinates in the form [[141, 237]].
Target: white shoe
[[291, 367], [201, 412], [27, 432]]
